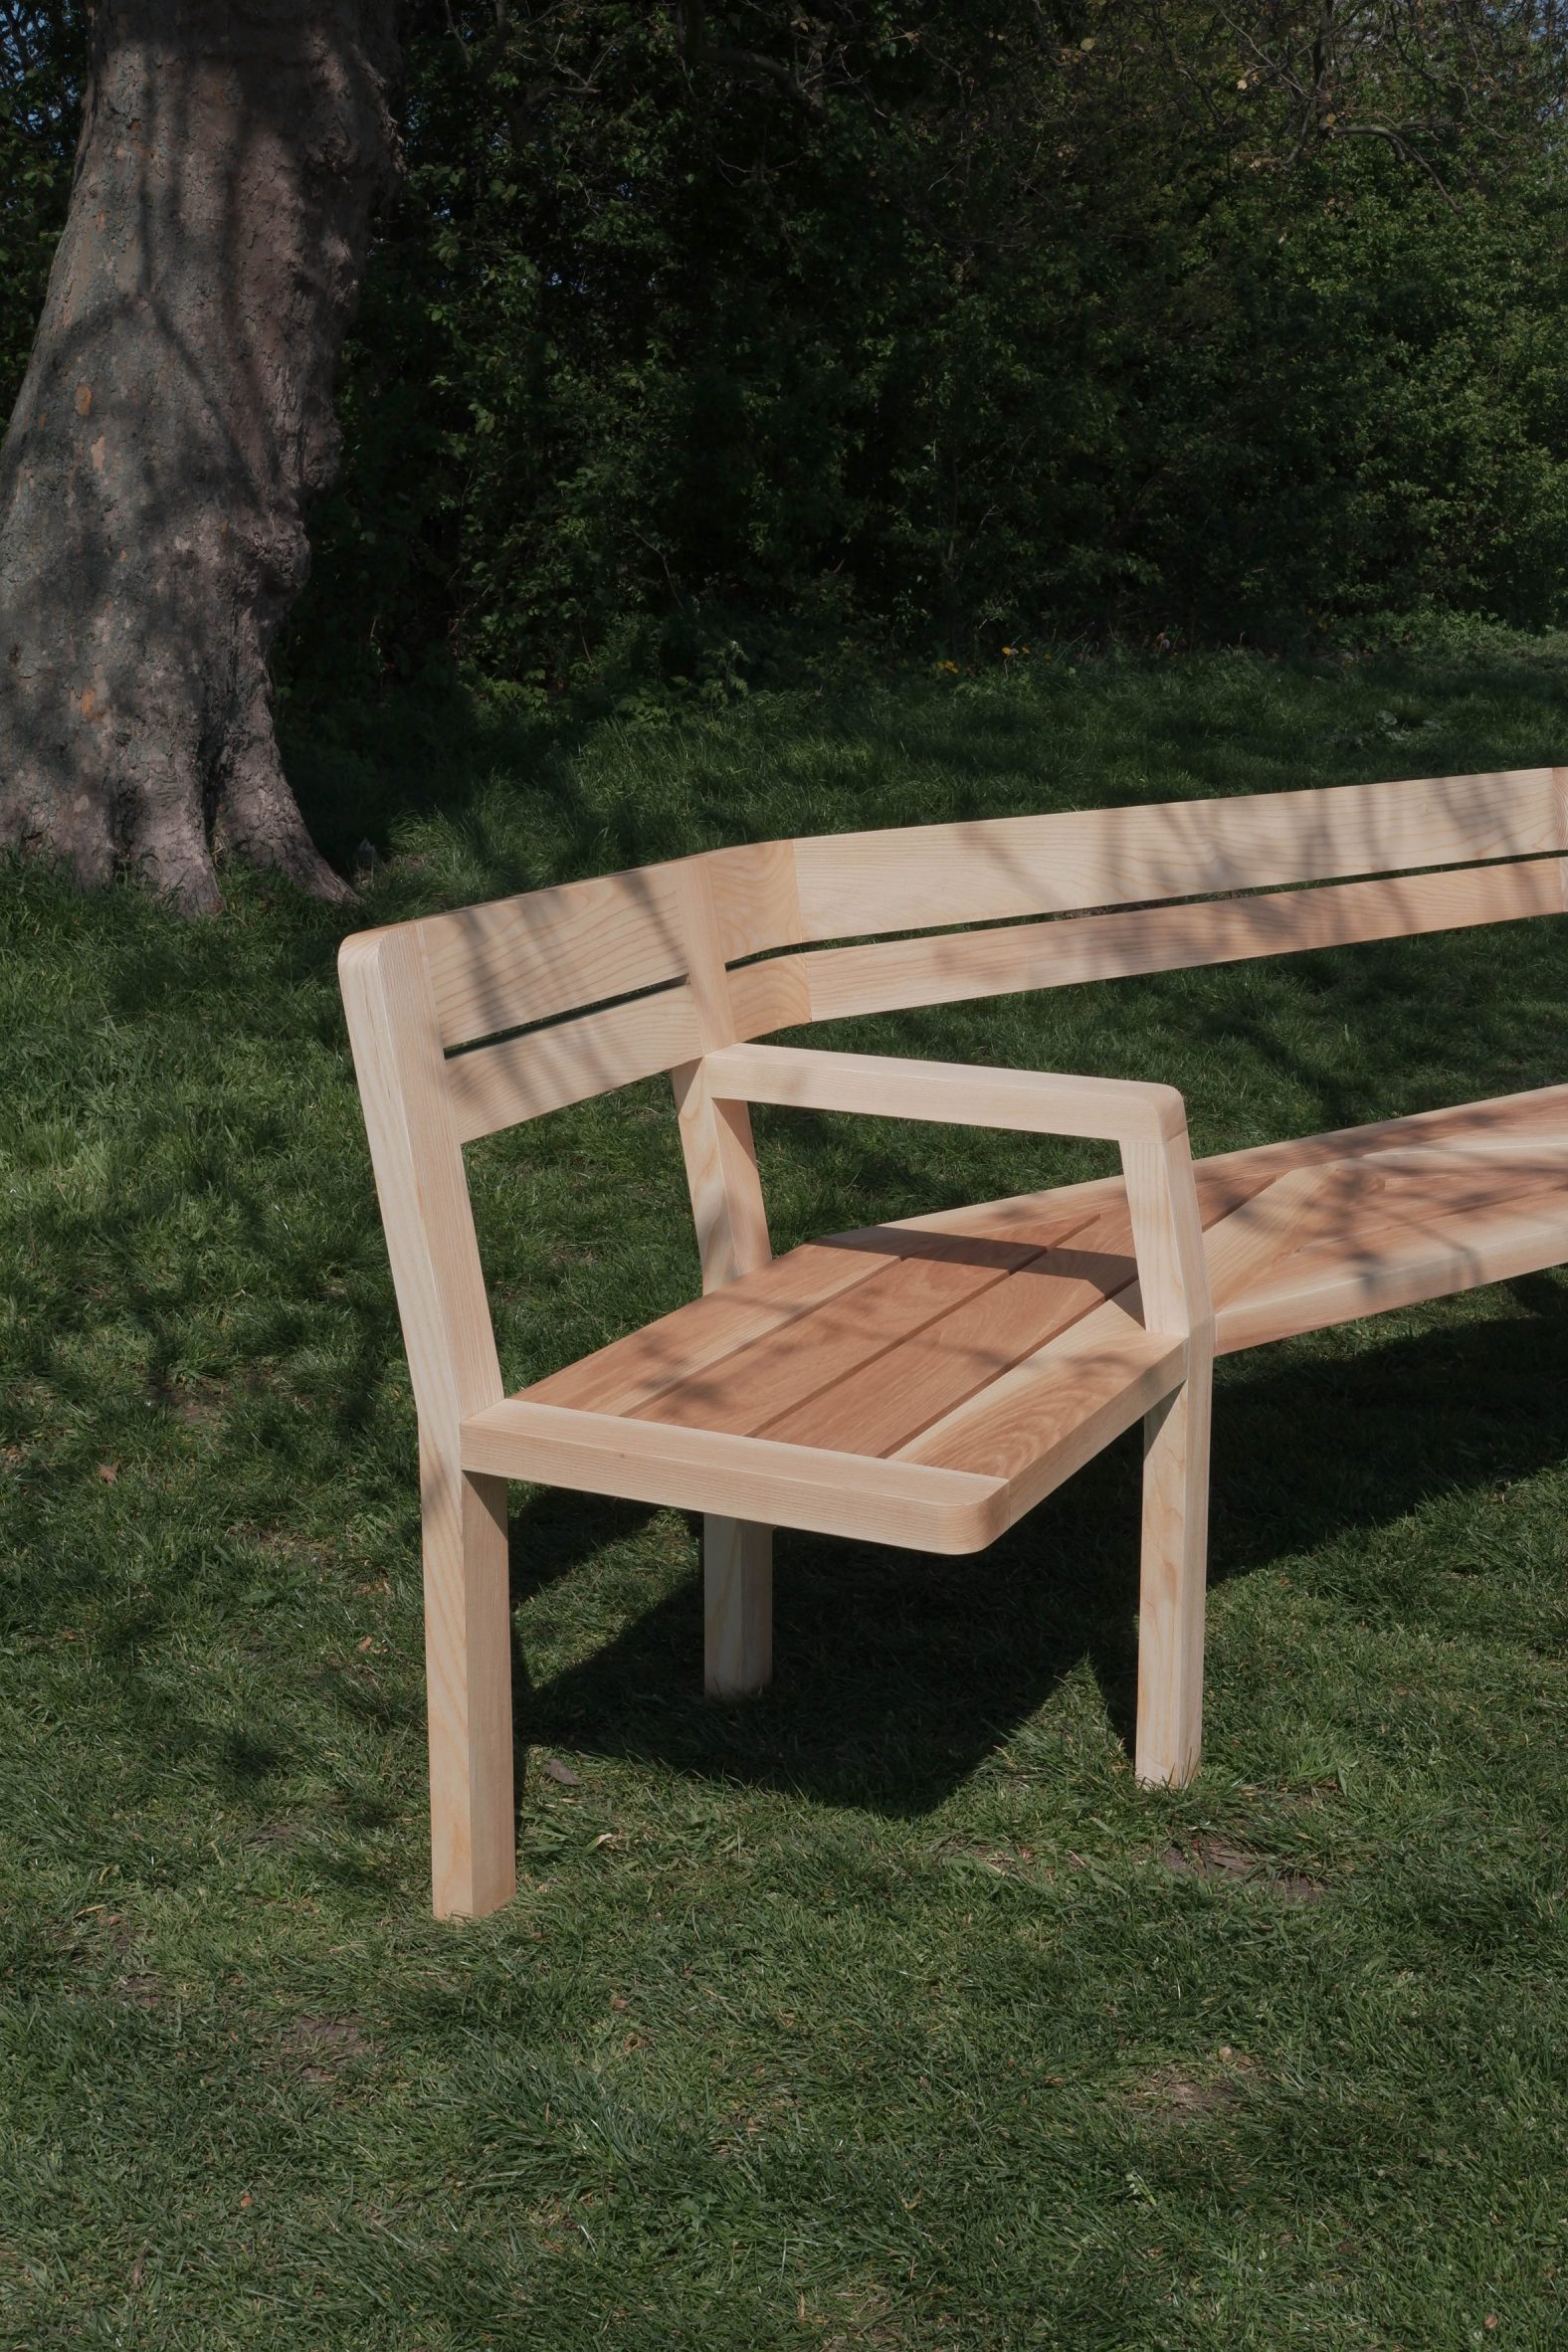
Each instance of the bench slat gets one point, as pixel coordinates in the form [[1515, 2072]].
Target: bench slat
[[752, 1479], [1312, 1288], [523, 959], [754, 1387], [1054, 1412], [522, 1078], [934, 1370], [999, 1339], [1231, 1177], [626, 1375], [835, 982], [914, 877]]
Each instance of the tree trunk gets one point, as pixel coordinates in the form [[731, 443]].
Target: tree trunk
[[175, 419]]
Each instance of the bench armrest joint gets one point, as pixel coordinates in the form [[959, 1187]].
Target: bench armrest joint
[[1148, 1120]]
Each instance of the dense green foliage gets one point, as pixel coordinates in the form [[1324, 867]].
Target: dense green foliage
[[40, 72], [718, 332], [1009, 336], [884, 2011]]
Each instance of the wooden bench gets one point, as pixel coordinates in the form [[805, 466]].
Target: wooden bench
[[920, 1383]]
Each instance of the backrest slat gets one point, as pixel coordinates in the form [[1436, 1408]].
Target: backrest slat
[[891, 975], [522, 1078], [753, 895], [915, 876], [552, 951], [654, 969]]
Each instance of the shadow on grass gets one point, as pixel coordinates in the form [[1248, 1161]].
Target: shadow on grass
[[898, 1674]]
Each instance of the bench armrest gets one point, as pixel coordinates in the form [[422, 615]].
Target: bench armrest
[[1148, 1121]]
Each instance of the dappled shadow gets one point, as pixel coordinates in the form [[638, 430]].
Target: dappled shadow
[[897, 1673]]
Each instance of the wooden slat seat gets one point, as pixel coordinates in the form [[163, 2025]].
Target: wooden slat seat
[[1003, 1343], [920, 1383]]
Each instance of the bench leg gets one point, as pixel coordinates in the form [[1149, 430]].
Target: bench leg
[[737, 1606], [1171, 1585], [467, 1669]]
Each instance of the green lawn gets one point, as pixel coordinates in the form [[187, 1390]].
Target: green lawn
[[885, 2010]]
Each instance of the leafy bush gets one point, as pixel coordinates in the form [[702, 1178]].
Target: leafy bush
[[696, 340]]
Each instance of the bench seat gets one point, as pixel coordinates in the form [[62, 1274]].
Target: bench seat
[[927, 1383]]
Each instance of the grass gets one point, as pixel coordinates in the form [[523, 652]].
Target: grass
[[884, 2011]]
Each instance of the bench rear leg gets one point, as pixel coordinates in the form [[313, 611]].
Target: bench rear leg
[[1171, 1584], [468, 1669], [737, 1606]]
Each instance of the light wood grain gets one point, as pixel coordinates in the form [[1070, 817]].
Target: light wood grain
[[921, 1384], [516, 960], [1171, 1578], [420, 1178], [523, 1077], [828, 1493], [757, 1385], [727, 1208], [881, 1406], [1040, 1103], [1049, 1414], [993, 870], [1228, 1178], [771, 995], [627, 1374], [452, 1357], [467, 1688], [1309, 1290], [716, 1129], [755, 904], [892, 975]]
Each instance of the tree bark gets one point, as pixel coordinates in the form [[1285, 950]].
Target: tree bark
[[175, 419]]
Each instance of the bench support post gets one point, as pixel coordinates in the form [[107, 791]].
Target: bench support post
[[1171, 1584], [737, 1606], [468, 1665]]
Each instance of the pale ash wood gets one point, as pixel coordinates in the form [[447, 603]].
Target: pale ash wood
[[560, 950], [452, 1357], [1052, 1413], [733, 1239], [716, 1131], [755, 903], [737, 1606], [1230, 1178], [1173, 1277], [771, 995], [467, 1688], [833, 983], [1172, 1577], [919, 877], [809, 1486], [1311, 1290], [1113, 1110], [523, 1077]]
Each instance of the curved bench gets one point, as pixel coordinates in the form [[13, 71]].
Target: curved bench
[[920, 1383]]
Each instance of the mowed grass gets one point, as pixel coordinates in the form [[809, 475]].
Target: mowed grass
[[883, 2010]]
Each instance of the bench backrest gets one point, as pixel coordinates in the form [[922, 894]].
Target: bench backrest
[[467, 1023]]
